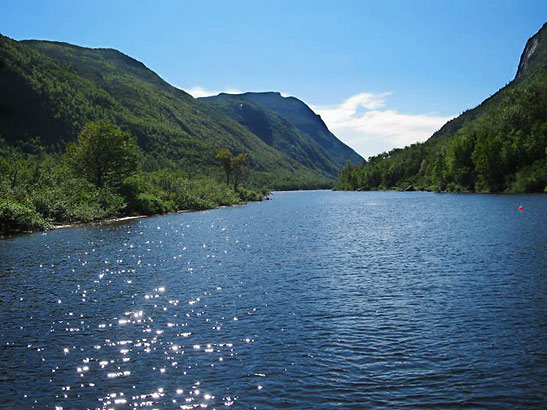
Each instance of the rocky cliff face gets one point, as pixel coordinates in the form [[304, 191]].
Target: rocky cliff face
[[535, 53]]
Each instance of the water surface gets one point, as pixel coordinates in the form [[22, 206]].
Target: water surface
[[313, 300]]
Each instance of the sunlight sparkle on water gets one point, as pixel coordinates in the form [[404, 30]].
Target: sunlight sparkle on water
[[320, 313]]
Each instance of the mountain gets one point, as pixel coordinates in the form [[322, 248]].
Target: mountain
[[498, 146], [263, 111], [277, 131], [534, 56], [50, 90]]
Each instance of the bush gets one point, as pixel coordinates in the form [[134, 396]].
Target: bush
[[248, 195], [16, 217], [77, 201], [204, 194], [532, 178], [149, 204], [51, 205], [104, 154]]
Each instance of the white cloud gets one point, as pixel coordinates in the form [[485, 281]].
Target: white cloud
[[366, 124], [197, 92]]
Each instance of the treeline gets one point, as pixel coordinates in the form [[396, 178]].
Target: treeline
[[100, 176], [504, 149]]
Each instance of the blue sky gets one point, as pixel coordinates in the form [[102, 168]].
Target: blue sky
[[381, 73]]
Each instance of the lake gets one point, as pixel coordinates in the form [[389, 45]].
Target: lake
[[313, 300]]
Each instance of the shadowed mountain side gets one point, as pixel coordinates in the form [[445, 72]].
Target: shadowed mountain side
[[299, 115], [275, 131]]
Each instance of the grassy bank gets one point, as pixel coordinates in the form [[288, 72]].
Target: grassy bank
[[40, 205], [38, 191]]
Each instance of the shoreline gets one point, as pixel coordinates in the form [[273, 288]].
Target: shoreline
[[441, 192], [130, 218], [104, 221], [108, 221]]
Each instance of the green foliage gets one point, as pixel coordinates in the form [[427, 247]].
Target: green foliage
[[205, 194], [232, 165], [500, 146], [149, 204], [55, 89], [16, 217], [238, 164], [248, 195], [103, 154], [167, 191], [531, 179], [38, 190], [224, 155], [47, 185]]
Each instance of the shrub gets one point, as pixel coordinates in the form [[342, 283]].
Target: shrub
[[248, 195], [532, 178], [204, 194], [149, 204], [17, 217]]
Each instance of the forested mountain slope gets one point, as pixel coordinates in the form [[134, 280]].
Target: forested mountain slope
[[50, 90], [308, 123], [499, 146], [281, 134]]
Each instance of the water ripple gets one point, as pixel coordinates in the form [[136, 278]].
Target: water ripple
[[313, 300]]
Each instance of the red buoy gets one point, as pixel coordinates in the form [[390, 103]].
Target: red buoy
[[521, 208]]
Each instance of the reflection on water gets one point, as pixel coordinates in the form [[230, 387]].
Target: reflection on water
[[313, 300]]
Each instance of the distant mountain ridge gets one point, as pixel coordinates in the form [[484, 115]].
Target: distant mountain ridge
[[288, 125], [300, 116], [49, 90]]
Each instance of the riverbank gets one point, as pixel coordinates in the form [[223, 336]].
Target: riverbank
[[18, 219], [54, 226], [106, 221], [130, 218], [420, 188]]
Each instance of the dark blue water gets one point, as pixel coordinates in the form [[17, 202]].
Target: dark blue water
[[313, 300]]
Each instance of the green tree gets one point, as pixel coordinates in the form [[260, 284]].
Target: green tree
[[237, 164], [225, 157], [488, 162], [104, 154], [461, 168], [232, 165]]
